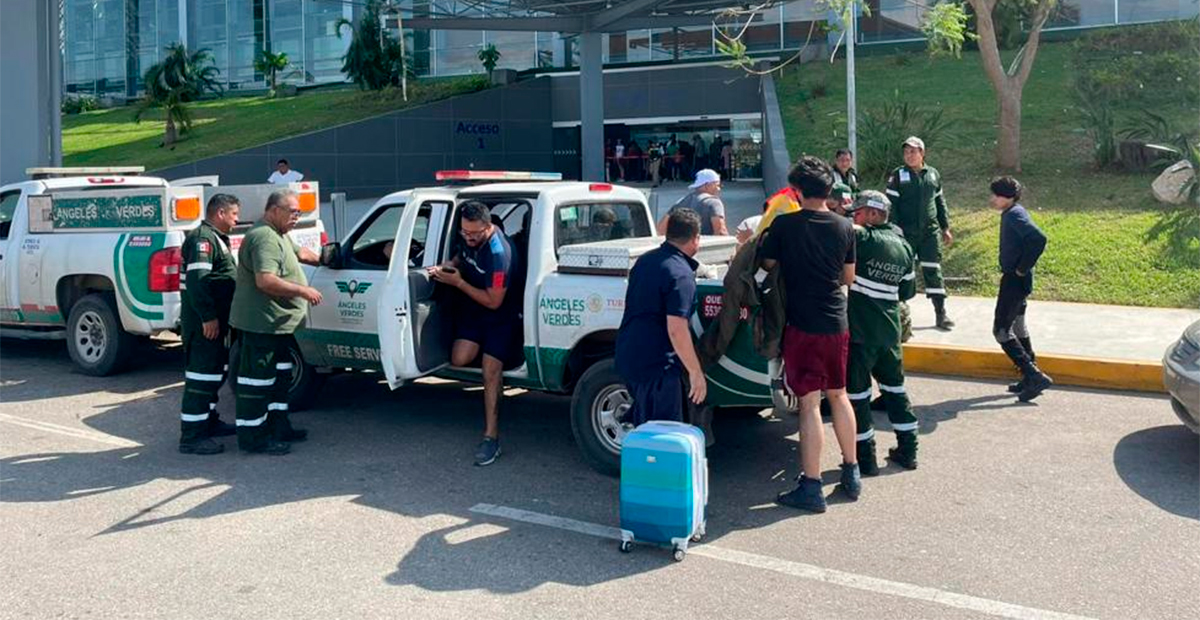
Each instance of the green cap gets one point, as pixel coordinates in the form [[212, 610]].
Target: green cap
[[871, 199], [840, 191]]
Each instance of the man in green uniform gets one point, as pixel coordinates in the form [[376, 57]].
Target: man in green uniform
[[883, 277], [206, 291], [271, 300], [919, 209]]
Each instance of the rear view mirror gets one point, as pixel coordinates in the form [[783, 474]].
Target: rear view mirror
[[331, 255]]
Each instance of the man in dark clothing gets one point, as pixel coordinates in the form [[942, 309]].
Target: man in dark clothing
[[919, 209], [485, 270], [814, 248], [206, 292], [1021, 244], [654, 339]]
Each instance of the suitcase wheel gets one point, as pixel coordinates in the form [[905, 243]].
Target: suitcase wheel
[[697, 537], [626, 546], [679, 554]]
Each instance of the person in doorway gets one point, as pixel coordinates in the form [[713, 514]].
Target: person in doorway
[[700, 151], [270, 302], [1021, 245], [884, 275], [654, 341], [654, 156], [705, 199], [206, 295], [673, 159], [636, 168], [919, 209], [619, 159], [284, 174], [815, 250], [727, 160], [843, 170], [714, 154], [484, 270]]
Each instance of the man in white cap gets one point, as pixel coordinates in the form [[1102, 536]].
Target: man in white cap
[[705, 200], [919, 209]]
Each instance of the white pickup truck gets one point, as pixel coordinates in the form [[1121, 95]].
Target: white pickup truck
[[92, 256], [382, 313]]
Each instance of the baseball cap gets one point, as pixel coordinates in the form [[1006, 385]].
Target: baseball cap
[[704, 177], [871, 199], [915, 142], [840, 191]]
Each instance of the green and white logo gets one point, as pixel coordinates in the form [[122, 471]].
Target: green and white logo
[[353, 287]]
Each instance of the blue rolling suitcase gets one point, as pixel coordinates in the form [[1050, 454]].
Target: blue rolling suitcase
[[664, 486]]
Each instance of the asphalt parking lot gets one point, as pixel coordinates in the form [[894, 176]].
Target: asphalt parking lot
[[1086, 504]]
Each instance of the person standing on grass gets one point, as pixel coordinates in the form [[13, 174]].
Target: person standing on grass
[[654, 342], [919, 209], [815, 249], [1021, 245]]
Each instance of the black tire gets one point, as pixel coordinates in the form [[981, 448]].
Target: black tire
[[306, 382], [598, 435], [97, 343]]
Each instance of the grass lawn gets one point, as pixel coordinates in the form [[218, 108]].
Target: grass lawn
[[110, 137], [1110, 241]]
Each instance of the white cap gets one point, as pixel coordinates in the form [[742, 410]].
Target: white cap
[[704, 177], [915, 142]]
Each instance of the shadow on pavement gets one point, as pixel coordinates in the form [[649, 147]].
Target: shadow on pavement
[[1162, 465], [42, 370]]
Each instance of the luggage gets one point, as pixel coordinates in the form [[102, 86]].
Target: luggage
[[617, 257], [664, 486]]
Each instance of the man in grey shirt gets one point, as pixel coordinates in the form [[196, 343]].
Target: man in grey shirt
[[705, 200]]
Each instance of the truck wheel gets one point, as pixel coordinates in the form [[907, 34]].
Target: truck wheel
[[598, 408], [97, 343], [305, 384]]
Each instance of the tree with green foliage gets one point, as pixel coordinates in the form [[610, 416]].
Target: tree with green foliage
[[375, 59], [489, 56], [272, 65], [178, 79]]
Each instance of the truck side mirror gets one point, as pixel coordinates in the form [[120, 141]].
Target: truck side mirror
[[331, 255]]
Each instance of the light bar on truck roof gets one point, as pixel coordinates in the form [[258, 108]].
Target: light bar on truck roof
[[496, 175], [49, 172]]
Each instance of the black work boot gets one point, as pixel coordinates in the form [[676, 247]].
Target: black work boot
[[867, 464], [1027, 345], [217, 428], [202, 446], [270, 447], [905, 452], [1034, 381], [877, 404], [943, 320]]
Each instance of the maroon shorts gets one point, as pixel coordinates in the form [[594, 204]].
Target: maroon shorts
[[813, 362]]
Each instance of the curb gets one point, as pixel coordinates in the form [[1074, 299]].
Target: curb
[[1110, 374]]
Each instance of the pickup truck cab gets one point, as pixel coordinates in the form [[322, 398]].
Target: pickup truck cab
[[92, 255], [382, 311]]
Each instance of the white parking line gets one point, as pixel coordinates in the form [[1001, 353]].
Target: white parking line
[[68, 431], [797, 569]]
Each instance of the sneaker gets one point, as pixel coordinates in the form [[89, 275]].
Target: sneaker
[[217, 428], [806, 496], [851, 480], [271, 447], [203, 446], [902, 458], [487, 452], [294, 435], [1035, 384]]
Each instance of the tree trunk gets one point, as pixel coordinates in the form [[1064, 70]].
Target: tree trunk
[[171, 133], [1008, 140]]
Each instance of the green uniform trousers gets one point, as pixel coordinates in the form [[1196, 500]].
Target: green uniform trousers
[[886, 365], [207, 363], [264, 373], [929, 253]]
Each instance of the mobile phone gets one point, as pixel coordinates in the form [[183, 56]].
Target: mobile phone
[[449, 270]]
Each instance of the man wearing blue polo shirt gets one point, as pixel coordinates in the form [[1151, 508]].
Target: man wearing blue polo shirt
[[654, 343]]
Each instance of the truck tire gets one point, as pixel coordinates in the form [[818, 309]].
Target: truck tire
[[597, 406], [305, 385], [97, 343]]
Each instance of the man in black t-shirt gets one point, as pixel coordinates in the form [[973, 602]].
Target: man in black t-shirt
[[814, 248], [485, 270]]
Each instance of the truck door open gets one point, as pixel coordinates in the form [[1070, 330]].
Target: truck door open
[[414, 338]]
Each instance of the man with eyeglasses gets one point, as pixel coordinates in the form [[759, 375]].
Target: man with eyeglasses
[[270, 302], [484, 270]]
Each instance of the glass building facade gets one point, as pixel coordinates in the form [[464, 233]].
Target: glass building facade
[[108, 44]]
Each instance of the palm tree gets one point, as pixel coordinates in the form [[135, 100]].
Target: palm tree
[[272, 65], [178, 79], [489, 56]]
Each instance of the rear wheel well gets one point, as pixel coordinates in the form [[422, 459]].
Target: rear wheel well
[[71, 289], [591, 349]]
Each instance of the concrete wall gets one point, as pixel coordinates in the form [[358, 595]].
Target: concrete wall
[[776, 159], [706, 90], [29, 94], [500, 128]]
